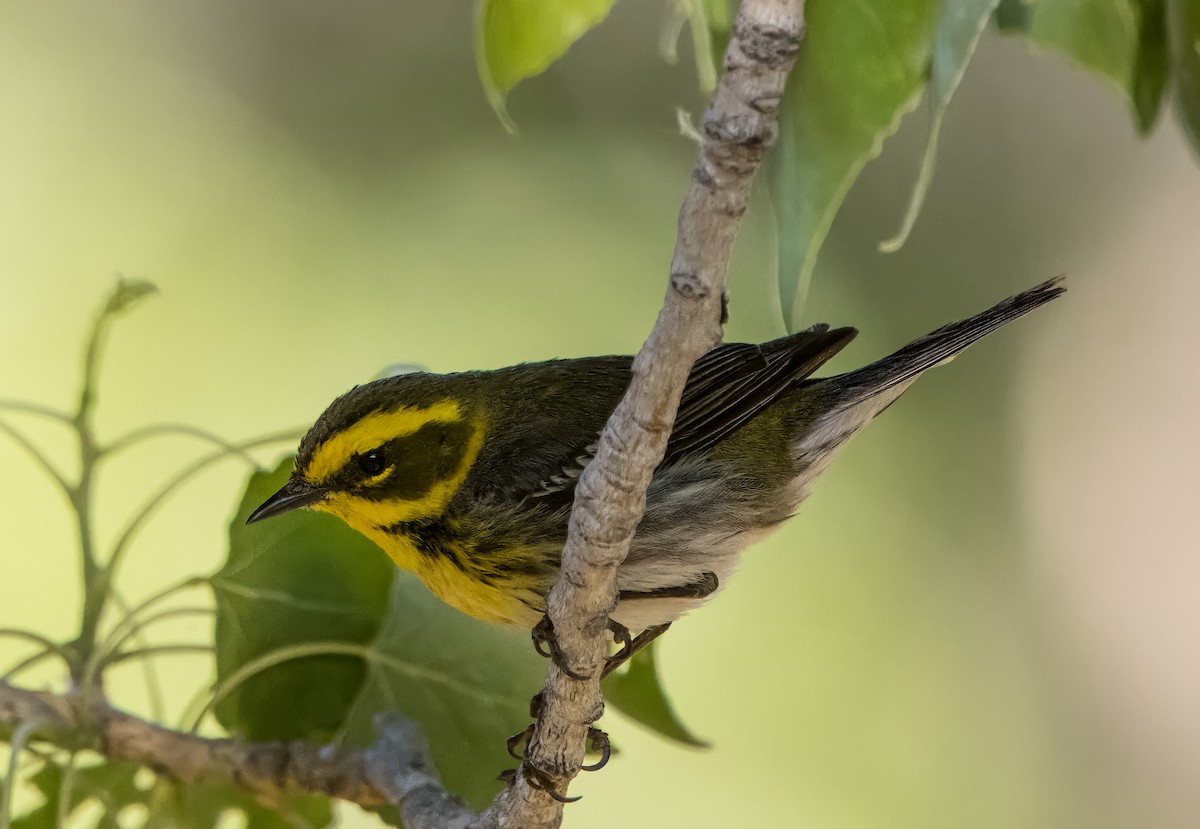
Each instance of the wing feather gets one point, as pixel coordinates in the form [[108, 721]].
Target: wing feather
[[726, 388]]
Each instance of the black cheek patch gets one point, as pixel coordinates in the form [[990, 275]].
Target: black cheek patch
[[431, 454]]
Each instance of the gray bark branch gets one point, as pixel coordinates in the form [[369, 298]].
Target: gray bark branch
[[738, 127], [262, 767]]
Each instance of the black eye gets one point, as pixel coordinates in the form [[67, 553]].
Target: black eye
[[372, 463]]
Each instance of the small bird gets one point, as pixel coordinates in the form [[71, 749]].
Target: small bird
[[467, 479]]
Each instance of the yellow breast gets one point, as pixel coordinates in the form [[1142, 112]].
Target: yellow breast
[[500, 603]]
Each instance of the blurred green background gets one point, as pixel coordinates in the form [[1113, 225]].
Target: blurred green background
[[988, 614]]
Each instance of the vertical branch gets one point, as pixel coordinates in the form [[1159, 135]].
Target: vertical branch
[[95, 576], [738, 128]]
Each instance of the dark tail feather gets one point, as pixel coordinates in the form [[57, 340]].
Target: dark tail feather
[[941, 345]]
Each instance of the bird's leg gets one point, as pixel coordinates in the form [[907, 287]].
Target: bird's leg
[[633, 646]]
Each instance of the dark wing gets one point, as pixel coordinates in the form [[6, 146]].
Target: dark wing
[[732, 383], [727, 387]]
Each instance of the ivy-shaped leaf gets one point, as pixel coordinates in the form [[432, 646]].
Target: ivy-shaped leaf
[[517, 39], [861, 67]]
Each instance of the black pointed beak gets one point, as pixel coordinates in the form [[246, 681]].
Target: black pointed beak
[[293, 495]]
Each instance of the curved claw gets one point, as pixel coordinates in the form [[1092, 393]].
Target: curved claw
[[620, 635], [515, 740], [543, 634], [562, 798], [599, 742], [539, 780]]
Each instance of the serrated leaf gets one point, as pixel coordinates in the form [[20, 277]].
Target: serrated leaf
[[861, 67], [517, 39], [466, 683], [638, 693], [300, 577], [1183, 23], [955, 37]]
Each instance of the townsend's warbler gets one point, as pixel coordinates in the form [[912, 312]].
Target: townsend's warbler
[[467, 479]]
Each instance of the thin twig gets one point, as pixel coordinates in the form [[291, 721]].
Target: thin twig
[[38, 456], [173, 649], [178, 429], [25, 407], [15, 746]]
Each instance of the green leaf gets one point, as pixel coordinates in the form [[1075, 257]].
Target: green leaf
[[1125, 42], [1101, 36], [112, 785], [955, 37], [211, 802], [1184, 26], [861, 67], [1152, 64], [466, 683], [637, 693], [301, 577], [517, 39], [1013, 16]]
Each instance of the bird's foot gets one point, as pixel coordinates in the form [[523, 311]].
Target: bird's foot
[[545, 643], [598, 743], [631, 646], [536, 779]]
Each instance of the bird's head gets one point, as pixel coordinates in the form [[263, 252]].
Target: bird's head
[[383, 454]]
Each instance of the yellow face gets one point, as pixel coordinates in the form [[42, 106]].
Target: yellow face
[[393, 467]]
